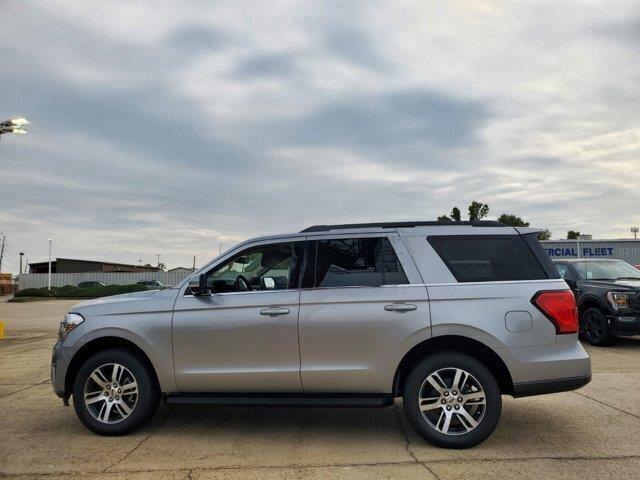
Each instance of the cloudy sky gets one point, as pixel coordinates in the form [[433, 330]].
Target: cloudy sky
[[173, 127]]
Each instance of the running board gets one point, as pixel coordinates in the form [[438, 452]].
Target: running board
[[280, 400]]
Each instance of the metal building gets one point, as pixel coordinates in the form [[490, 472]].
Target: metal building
[[624, 249]]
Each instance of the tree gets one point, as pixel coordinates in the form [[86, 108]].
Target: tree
[[512, 220], [544, 234], [478, 210], [455, 214], [571, 235]]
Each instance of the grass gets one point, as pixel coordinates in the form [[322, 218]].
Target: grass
[[71, 292]]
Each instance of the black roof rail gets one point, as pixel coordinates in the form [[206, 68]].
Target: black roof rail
[[475, 223]]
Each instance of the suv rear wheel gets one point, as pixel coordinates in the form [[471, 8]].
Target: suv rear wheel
[[595, 328], [452, 400], [115, 392]]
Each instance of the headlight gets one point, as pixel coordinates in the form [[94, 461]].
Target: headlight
[[619, 300], [71, 321]]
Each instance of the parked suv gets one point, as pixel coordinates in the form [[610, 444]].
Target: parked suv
[[608, 296], [447, 316]]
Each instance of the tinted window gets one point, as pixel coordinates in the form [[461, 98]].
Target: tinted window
[[268, 267], [486, 258], [351, 262]]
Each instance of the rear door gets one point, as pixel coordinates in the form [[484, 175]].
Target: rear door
[[362, 299]]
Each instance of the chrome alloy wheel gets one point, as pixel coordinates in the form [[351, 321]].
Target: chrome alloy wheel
[[110, 393], [452, 401]]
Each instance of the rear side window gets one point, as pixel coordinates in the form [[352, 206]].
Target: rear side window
[[487, 258], [352, 262]]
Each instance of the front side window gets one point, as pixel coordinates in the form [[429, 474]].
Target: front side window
[[267, 267], [563, 270], [487, 258], [353, 262]]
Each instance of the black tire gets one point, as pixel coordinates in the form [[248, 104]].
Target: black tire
[[146, 401], [446, 362], [595, 328]]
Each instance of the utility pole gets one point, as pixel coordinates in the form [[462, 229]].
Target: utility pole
[[194, 263], [220, 250], [4, 237], [634, 230], [21, 255], [49, 276], [158, 256]]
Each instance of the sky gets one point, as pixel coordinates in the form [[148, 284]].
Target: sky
[[174, 127]]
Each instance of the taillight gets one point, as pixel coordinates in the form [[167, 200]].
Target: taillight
[[560, 307]]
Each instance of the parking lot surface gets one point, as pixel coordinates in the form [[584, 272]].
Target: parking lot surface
[[591, 433]]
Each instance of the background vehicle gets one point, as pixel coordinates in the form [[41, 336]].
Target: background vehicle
[[447, 316], [152, 284], [90, 284], [608, 296]]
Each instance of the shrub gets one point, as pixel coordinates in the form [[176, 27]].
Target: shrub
[[69, 291]]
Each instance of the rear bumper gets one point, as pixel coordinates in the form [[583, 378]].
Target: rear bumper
[[540, 387]]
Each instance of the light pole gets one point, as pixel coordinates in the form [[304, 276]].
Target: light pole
[[21, 255], [49, 276], [14, 125], [635, 230]]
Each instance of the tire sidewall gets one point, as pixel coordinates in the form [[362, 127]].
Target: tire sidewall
[[452, 360], [148, 392]]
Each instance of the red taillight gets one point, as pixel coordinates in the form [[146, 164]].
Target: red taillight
[[560, 307]]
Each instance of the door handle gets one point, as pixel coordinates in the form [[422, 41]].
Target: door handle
[[400, 307], [274, 311]]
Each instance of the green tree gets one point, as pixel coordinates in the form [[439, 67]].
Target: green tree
[[455, 214], [512, 220], [478, 210], [544, 234], [572, 235]]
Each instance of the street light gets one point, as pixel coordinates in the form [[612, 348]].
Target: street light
[[14, 125]]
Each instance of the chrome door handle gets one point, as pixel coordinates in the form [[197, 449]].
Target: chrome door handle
[[274, 311], [400, 307]]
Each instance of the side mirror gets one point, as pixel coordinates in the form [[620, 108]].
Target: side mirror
[[269, 283], [198, 285]]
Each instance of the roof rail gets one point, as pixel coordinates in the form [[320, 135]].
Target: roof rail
[[475, 223]]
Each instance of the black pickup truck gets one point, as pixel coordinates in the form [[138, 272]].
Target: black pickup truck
[[608, 296]]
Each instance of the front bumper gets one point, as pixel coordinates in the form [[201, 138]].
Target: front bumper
[[625, 323], [60, 360]]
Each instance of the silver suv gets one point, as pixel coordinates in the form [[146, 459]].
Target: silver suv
[[448, 316]]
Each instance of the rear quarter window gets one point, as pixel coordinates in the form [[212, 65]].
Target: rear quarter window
[[488, 258]]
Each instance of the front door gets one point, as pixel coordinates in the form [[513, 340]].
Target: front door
[[244, 337]]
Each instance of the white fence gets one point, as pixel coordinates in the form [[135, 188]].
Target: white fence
[[38, 280]]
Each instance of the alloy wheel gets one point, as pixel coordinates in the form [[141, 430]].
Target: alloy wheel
[[452, 401], [593, 327], [111, 393]]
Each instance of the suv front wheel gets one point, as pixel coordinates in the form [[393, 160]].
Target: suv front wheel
[[452, 400], [115, 392]]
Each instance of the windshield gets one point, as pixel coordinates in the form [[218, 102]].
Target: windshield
[[607, 270]]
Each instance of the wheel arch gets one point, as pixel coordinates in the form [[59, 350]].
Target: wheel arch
[[591, 301], [98, 345], [466, 345]]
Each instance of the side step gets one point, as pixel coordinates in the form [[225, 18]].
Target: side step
[[279, 400]]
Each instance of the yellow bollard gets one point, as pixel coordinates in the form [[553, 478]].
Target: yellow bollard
[[1, 330]]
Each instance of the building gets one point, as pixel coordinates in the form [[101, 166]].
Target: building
[[70, 265], [186, 271], [623, 249]]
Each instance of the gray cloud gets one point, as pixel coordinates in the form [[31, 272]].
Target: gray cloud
[[203, 126]]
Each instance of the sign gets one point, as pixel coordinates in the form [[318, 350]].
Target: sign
[[565, 252]]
